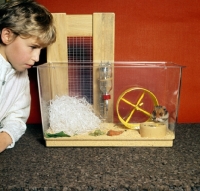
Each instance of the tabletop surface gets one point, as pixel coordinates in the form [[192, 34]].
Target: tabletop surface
[[30, 165]]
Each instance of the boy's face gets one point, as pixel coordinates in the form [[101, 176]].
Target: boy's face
[[22, 53]]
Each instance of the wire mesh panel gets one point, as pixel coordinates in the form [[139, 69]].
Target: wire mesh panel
[[80, 49], [80, 71]]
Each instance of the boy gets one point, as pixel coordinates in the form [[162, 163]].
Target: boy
[[25, 28]]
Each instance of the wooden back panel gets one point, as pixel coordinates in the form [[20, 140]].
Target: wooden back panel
[[99, 26]]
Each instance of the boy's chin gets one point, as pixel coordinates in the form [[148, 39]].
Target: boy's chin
[[20, 69]]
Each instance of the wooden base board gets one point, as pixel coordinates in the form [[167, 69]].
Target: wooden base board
[[129, 138], [133, 143]]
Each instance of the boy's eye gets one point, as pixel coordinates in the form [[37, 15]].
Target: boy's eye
[[33, 47]]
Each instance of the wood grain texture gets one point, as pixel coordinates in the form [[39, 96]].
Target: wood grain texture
[[103, 51]]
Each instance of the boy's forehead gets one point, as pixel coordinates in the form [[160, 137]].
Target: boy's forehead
[[36, 41]]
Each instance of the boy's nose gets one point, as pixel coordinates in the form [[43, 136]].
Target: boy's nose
[[36, 55]]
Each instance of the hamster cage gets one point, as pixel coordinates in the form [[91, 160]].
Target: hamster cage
[[88, 99]]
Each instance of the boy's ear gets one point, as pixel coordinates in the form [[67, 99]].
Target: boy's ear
[[7, 36]]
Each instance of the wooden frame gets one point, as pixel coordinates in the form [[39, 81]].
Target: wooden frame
[[101, 27]]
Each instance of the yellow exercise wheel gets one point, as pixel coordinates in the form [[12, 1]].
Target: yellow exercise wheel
[[134, 106]]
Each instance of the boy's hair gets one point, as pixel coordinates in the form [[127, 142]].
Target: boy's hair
[[27, 18]]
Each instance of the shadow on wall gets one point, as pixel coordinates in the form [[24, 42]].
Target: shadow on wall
[[35, 116]]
